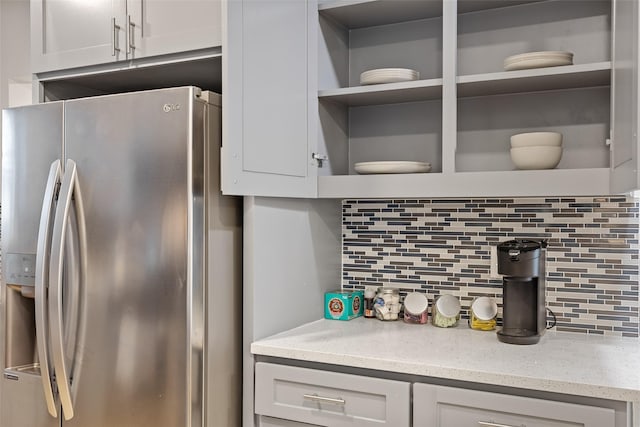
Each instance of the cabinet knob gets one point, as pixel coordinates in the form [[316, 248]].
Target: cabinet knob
[[319, 158]]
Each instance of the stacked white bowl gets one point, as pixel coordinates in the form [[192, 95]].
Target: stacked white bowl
[[536, 150]]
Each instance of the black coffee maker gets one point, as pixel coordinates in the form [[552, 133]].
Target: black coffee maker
[[524, 316]]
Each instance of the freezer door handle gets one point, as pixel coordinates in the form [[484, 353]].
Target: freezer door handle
[[41, 284], [67, 190]]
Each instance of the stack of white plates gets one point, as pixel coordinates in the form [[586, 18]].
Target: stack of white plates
[[529, 60], [388, 75], [392, 167]]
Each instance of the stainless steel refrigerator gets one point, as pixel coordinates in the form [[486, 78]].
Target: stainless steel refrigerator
[[121, 264]]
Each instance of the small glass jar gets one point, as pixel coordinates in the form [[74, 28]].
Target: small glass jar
[[387, 304], [446, 311], [369, 300], [416, 306], [483, 314]]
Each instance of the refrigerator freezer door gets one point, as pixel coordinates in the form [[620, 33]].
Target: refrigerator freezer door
[[139, 168], [31, 141]]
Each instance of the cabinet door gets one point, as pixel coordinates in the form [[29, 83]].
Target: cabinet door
[[268, 97], [625, 174], [71, 33], [437, 406], [156, 27]]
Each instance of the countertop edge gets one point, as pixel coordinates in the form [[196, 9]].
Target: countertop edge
[[551, 386], [570, 364]]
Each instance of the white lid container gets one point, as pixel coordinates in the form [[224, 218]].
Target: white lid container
[[416, 303], [484, 308]]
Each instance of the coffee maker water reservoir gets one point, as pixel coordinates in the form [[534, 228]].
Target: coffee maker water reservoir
[[522, 264]]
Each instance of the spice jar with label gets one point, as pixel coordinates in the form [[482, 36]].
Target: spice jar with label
[[415, 308], [445, 311], [387, 304], [369, 300], [483, 314]]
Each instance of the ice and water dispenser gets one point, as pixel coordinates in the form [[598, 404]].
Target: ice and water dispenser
[[20, 339]]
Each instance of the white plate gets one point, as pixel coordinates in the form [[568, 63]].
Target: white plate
[[388, 75], [408, 71], [392, 167], [530, 60]]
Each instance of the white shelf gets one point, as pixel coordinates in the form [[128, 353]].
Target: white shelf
[[554, 182], [539, 79], [368, 13], [465, 6], [387, 93]]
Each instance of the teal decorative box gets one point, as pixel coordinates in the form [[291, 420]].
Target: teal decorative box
[[343, 305]]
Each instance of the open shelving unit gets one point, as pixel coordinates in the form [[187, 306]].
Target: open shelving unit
[[461, 112]]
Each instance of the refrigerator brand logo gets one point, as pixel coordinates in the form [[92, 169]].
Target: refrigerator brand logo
[[167, 108]]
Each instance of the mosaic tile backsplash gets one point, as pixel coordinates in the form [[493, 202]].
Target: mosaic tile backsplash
[[444, 246]]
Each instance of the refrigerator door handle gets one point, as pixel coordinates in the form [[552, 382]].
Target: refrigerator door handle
[[69, 185], [41, 284]]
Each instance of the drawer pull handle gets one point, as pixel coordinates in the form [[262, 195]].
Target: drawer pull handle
[[491, 424], [322, 399]]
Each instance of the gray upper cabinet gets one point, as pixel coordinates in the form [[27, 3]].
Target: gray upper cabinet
[[625, 175], [269, 93], [458, 116], [69, 33], [157, 27]]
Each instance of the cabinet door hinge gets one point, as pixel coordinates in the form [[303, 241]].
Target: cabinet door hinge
[[319, 158]]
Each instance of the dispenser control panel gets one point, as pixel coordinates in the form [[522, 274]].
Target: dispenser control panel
[[20, 269]]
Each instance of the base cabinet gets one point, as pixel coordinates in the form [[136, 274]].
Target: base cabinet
[[438, 406], [294, 396]]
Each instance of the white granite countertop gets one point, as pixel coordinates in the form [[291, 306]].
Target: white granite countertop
[[569, 363]]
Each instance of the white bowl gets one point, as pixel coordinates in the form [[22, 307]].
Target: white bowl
[[538, 157], [530, 139]]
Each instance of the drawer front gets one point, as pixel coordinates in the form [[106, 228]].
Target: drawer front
[[436, 406], [330, 398], [277, 422]]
